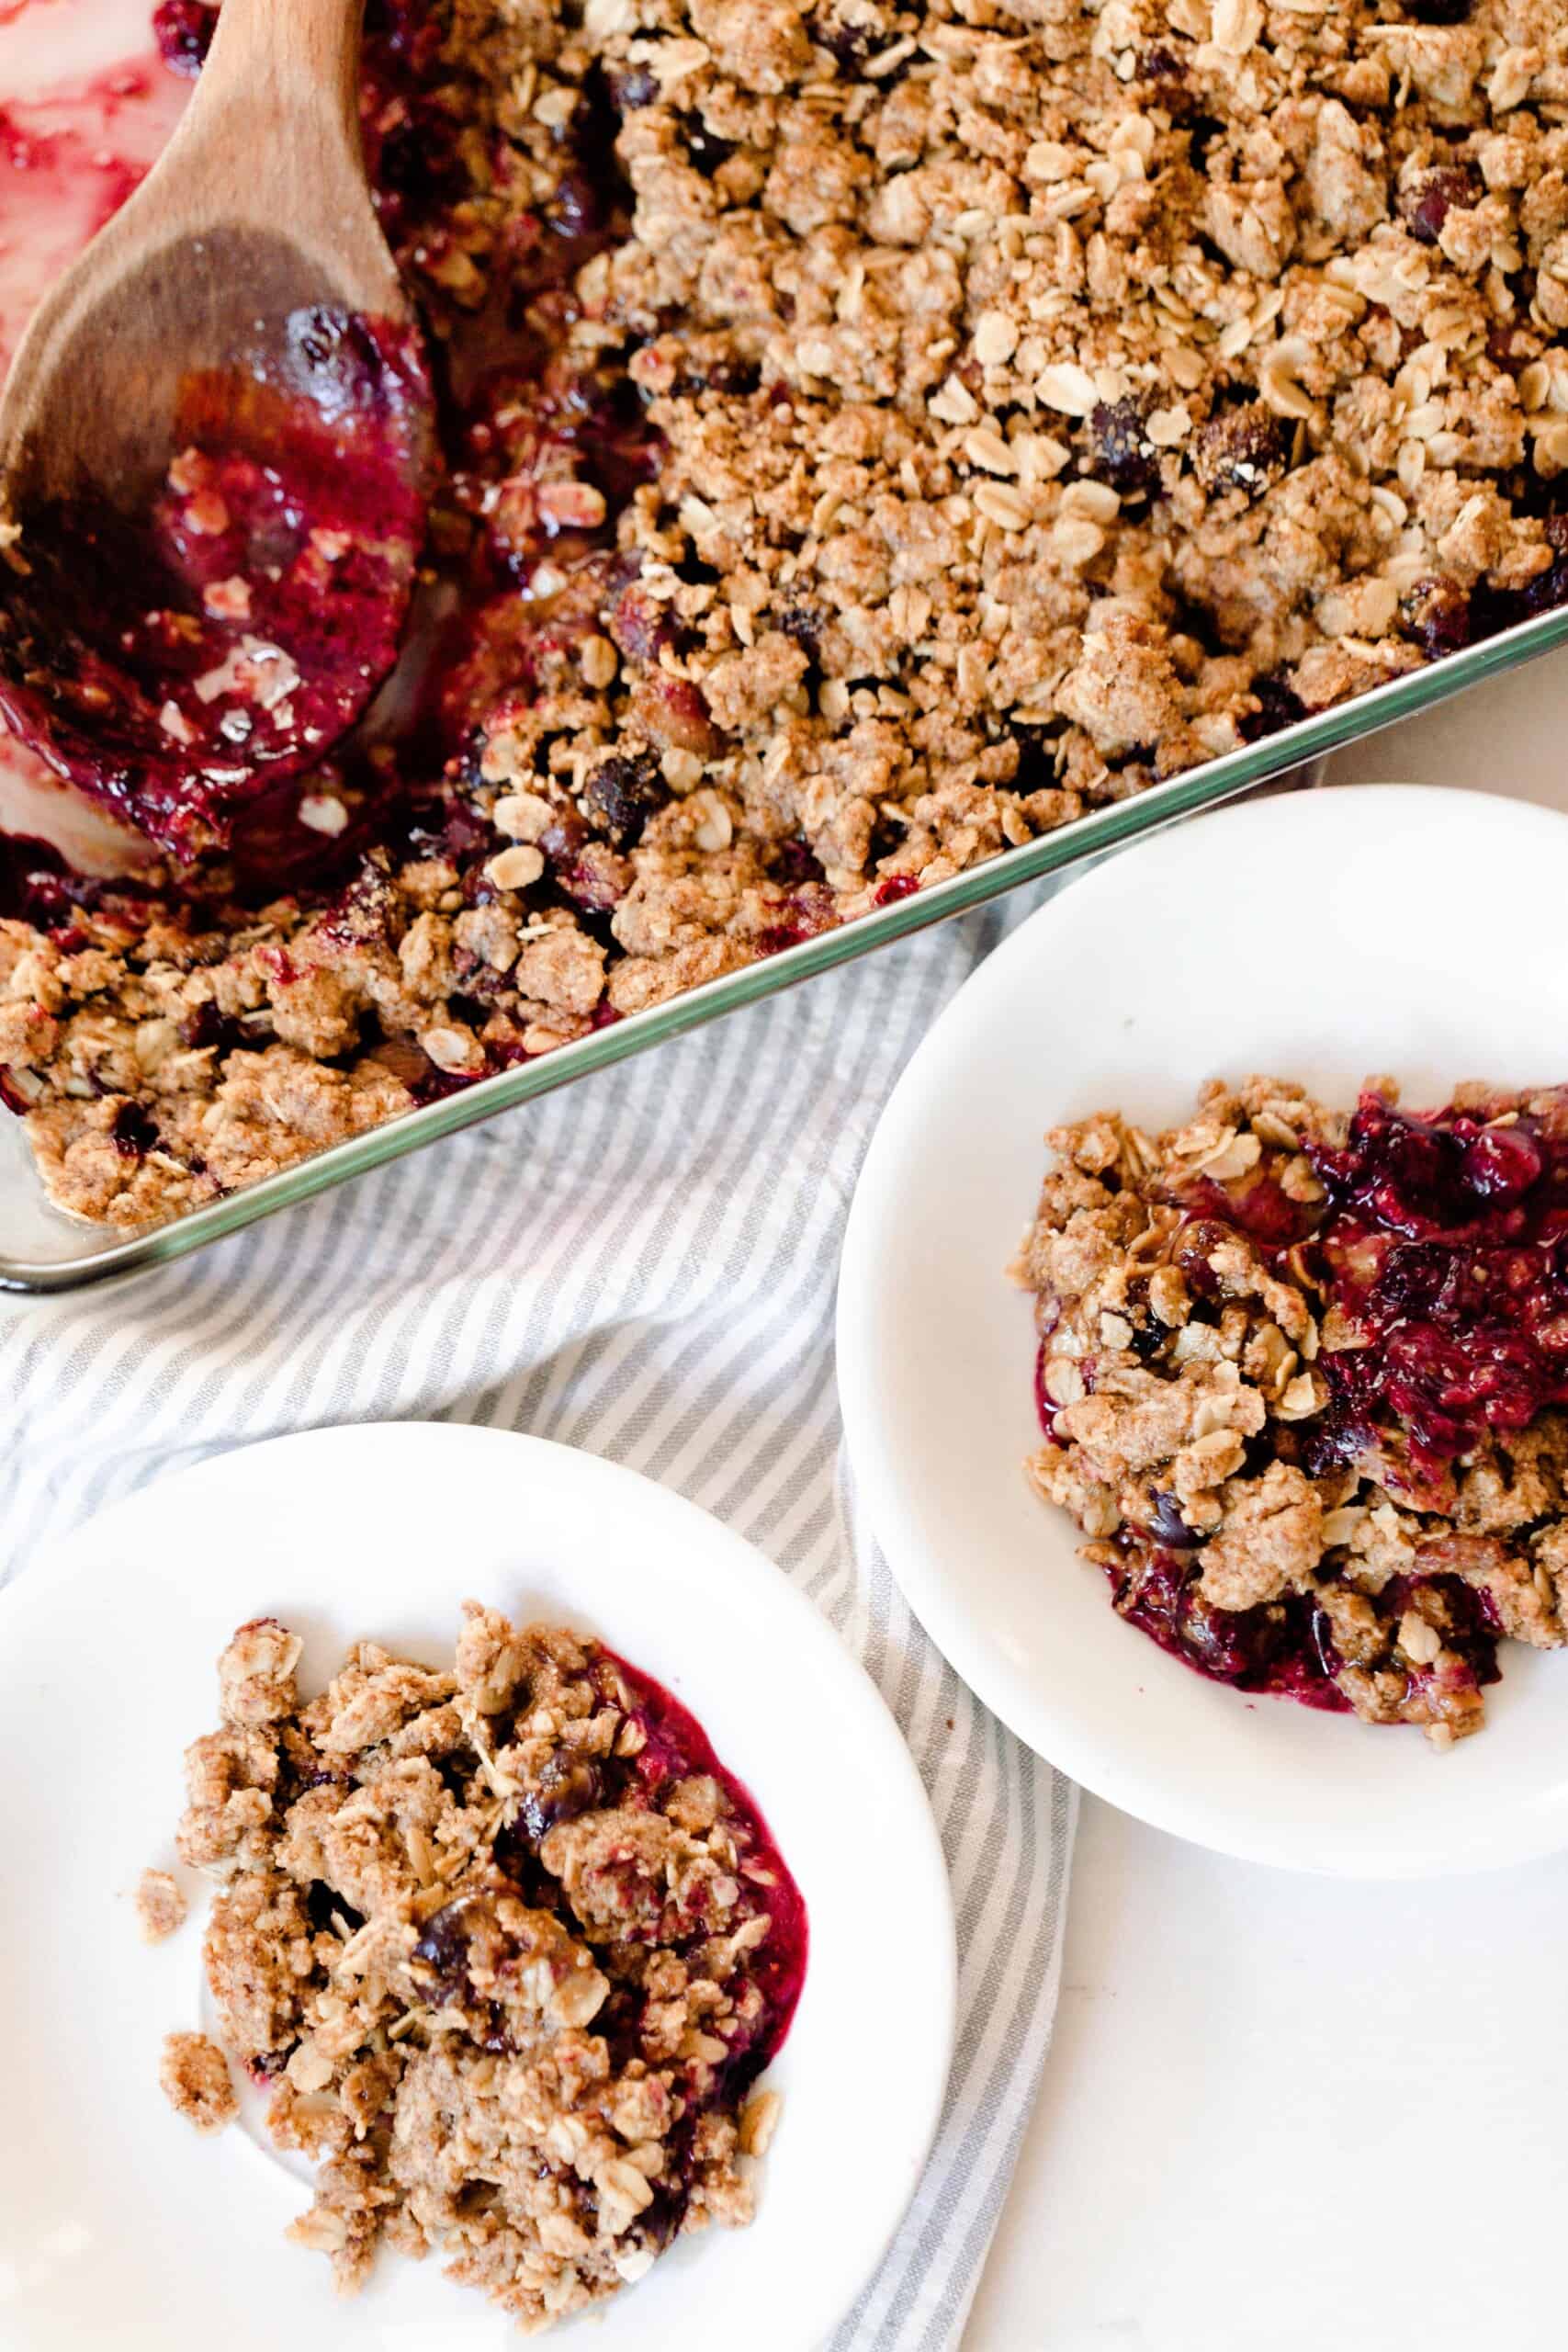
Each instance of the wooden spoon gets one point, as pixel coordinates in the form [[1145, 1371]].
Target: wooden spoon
[[244, 299]]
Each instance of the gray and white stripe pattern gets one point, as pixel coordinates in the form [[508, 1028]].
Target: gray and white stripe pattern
[[644, 1266]]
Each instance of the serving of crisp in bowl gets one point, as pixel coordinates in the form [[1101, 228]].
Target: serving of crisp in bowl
[[1269, 1410]]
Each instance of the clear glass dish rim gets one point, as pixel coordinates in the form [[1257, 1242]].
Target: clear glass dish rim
[[1091, 835]]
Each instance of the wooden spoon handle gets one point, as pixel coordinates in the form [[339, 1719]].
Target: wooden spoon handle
[[262, 49], [272, 136]]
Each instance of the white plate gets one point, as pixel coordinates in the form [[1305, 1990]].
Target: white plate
[[1323, 937], [118, 2225]]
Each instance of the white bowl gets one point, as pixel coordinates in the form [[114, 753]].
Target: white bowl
[[117, 2225], [1324, 937]]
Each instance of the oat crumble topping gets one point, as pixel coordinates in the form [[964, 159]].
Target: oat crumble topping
[[1301, 1376], [879, 433], [506, 1947]]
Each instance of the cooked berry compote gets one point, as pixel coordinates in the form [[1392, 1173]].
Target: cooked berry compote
[[177, 663]]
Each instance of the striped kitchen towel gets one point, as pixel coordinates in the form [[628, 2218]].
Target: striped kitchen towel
[[644, 1266]]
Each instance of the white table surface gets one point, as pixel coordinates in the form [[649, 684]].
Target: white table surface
[[1284, 2114]]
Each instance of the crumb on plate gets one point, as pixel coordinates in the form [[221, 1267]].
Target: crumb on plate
[[160, 1908], [195, 2076]]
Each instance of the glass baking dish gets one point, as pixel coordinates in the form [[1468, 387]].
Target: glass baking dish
[[43, 1250]]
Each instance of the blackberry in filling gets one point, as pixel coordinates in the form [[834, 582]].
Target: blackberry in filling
[[1301, 1376]]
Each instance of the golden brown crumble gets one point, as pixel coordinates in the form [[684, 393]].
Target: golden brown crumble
[[194, 2077], [160, 1908], [505, 1948], [1029, 399], [1311, 1424]]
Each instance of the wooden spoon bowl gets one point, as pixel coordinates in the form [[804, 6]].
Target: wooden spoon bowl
[[240, 317]]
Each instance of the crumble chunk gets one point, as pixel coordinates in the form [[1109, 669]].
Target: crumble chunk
[[924, 424], [504, 1946], [1268, 1543], [255, 1674], [160, 1908], [194, 2077], [1303, 1378]]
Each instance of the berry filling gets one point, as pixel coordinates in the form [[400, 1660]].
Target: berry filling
[[675, 1749], [1445, 1242], [177, 666]]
